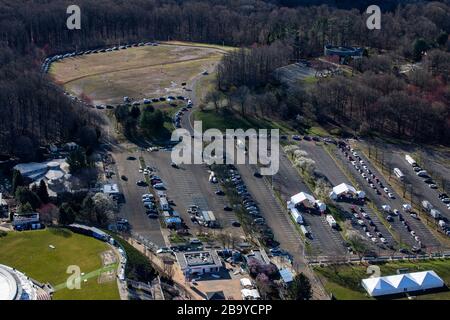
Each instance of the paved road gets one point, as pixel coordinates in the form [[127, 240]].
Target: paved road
[[421, 191], [326, 241], [426, 237], [132, 209], [327, 166], [189, 185]]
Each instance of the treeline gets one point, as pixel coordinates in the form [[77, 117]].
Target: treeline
[[254, 67], [34, 112], [415, 107], [42, 23]]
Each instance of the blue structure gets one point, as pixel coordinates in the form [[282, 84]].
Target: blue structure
[[286, 275], [343, 52]]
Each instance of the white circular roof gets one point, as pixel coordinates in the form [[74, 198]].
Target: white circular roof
[[8, 285], [54, 175], [53, 165]]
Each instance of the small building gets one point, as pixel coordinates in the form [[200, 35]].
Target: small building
[[55, 173], [343, 52], [26, 221], [89, 231], [259, 255], [199, 262], [286, 275], [402, 283]]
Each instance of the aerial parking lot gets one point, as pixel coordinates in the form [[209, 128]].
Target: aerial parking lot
[[369, 221], [324, 240], [188, 185], [411, 231]]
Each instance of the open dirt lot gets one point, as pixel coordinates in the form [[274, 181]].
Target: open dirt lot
[[135, 72]]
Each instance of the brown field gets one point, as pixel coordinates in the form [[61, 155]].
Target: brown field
[[135, 72]]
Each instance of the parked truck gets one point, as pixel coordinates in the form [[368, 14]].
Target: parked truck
[[296, 215], [410, 160], [331, 221], [305, 231], [399, 174]]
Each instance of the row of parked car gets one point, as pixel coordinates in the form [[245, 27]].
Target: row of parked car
[[371, 231], [251, 207], [179, 114], [430, 182], [48, 61]]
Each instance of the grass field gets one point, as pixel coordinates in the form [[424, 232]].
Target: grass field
[[231, 120], [135, 72], [344, 280], [30, 253]]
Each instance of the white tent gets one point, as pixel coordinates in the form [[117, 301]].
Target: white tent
[[344, 188], [303, 198], [399, 283], [427, 279]]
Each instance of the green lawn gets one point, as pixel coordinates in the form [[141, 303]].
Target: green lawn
[[344, 280], [30, 253], [231, 120]]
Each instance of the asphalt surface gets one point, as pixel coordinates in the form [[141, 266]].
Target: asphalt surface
[[421, 190], [132, 209], [429, 242], [325, 240], [189, 185], [327, 166]]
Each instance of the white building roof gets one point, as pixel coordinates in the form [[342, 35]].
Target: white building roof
[[250, 293], [302, 197], [8, 285], [378, 286], [344, 188], [246, 282]]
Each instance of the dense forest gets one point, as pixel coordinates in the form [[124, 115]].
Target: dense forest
[[34, 112]]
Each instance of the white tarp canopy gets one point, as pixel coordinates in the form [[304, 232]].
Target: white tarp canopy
[[303, 198], [344, 188], [250, 294], [399, 283], [246, 283]]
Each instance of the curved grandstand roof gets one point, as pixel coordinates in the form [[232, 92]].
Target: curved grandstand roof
[[8, 284]]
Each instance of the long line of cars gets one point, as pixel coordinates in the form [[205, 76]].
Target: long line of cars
[[178, 115], [377, 185], [250, 206], [48, 61]]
